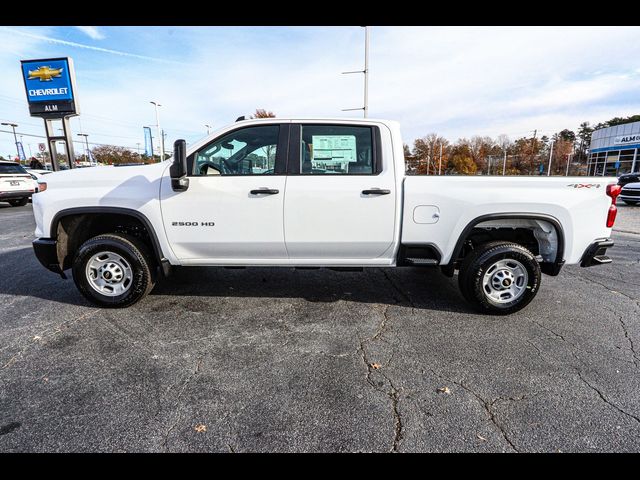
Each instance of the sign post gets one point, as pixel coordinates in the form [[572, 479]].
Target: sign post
[[50, 88]]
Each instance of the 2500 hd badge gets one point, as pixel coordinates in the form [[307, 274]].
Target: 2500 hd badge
[[192, 224]]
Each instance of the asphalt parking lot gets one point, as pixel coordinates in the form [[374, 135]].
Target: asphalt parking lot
[[314, 360]]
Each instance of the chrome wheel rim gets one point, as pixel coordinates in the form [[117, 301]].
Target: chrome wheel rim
[[109, 274], [505, 281]]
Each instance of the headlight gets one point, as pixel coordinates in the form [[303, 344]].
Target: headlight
[[42, 186]]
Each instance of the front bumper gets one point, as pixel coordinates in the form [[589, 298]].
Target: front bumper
[[15, 194], [46, 252], [595, 253]]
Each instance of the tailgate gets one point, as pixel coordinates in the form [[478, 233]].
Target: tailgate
[[12, 183]]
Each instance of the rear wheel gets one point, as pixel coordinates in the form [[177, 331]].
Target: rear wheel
[[113, 270], [18, 202], [499, 278]]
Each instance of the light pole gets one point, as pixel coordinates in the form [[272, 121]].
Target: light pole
[[504, 162], [138, 145], [440, 162], [15, 138], [86, 141], [209, 127], [550, 155], [365, 108], [156, 104]]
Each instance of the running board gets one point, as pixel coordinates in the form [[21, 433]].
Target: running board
[[421, 261]]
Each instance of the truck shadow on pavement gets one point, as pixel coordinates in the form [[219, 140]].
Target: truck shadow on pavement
[[408, 287]]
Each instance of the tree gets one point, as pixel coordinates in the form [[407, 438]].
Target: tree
[[262, 113], [113, 154], [427, 151], [463, 164]]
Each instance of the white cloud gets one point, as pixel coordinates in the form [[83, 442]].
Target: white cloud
[[92, 32]]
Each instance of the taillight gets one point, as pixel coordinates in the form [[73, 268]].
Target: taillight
[[42, 186], [613, 191]]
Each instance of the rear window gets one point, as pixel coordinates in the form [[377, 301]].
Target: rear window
[[12, 168]]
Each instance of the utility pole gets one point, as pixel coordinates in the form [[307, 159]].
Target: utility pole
[[440, 162], [86, 142], [366, 72], [365, 108], [156, 104], [566, 174], [504, 161], [550, 156], [533, 144], [138, 145], [15, 138]]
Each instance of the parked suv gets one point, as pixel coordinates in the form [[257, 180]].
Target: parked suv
[[16, 185], [630, 193]]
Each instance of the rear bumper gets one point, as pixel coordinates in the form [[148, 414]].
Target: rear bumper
[[15, 194], [47, 254], [595, 253]]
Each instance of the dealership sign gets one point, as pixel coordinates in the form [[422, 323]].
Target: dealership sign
[[50, 87], [626, 139]]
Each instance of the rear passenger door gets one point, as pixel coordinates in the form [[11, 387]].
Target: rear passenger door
[[340, 196]]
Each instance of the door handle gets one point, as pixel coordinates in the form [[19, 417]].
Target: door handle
[[264, 191], [376, 191]]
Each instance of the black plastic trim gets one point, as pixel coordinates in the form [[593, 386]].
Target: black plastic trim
[[46, 253], [550, 268], [119, 210], [594, 254]]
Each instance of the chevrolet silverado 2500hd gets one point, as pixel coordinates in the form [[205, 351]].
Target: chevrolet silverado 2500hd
[[316, 193]]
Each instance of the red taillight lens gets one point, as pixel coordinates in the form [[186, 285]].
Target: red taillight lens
[[611, 216], [613, 191]]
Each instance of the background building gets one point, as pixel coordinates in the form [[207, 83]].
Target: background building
[[614, 150]]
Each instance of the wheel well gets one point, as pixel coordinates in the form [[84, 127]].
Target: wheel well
[[544, 238], [74, 229]]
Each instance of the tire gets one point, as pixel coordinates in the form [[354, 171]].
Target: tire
[[117, 256], [630, 202], [508, 266], [19, 202]]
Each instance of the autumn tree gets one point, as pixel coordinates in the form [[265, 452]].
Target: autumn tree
[[113, 154], [262, 113], [427, 151]]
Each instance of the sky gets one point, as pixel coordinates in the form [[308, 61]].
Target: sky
[[454, 81]]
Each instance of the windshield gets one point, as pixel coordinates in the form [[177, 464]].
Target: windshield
[[11, 168]]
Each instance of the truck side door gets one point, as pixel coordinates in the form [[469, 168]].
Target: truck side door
[[233, 209], [340, 201]]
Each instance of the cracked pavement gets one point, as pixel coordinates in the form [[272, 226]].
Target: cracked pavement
[[388, 360]]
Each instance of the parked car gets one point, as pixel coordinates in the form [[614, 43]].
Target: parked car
[[628, 178], [37, 174], [630, 193], [16, 184], [328, 193]]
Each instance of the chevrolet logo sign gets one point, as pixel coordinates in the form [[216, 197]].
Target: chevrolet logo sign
[[45, 74]]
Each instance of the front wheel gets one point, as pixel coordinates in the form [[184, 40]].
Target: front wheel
[[113, 270], [19, 202], [499, 278]]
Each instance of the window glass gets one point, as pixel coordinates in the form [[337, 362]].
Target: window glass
[[11, 168], [336, 150], [248, 151]]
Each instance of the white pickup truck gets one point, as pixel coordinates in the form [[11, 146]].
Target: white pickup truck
[[316, 193]]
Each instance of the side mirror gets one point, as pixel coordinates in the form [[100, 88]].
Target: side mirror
[[178, 169]]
